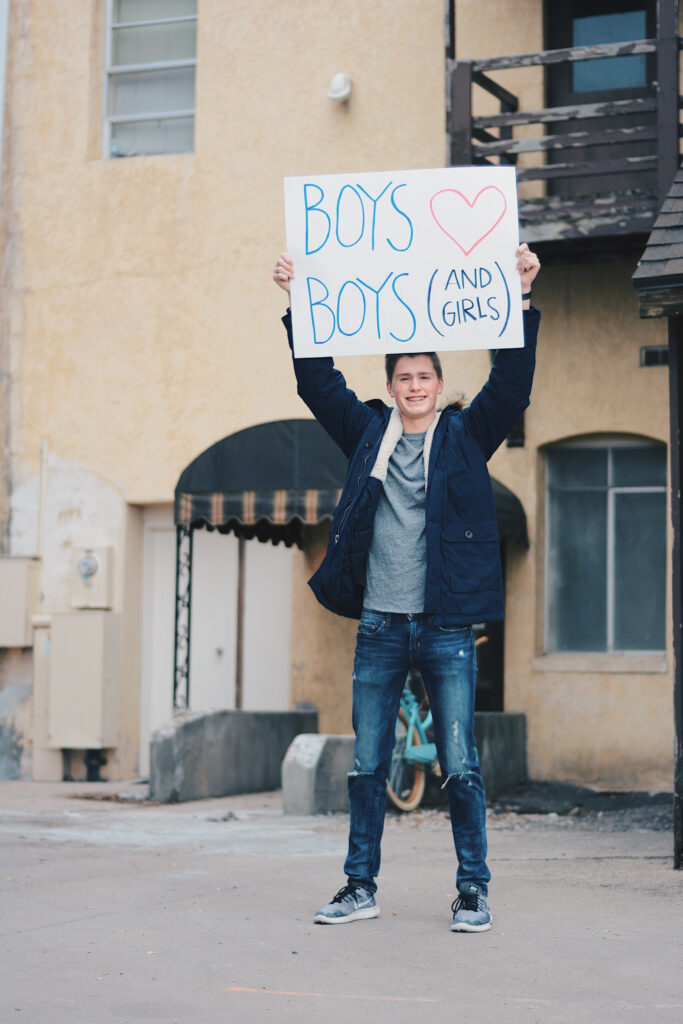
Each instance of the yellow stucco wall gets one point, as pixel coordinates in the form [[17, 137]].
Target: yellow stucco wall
[[138, 303], [148, 310], [590, 717]]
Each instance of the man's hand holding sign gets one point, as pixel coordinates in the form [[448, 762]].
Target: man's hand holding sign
[[528, 266], [401, 264]]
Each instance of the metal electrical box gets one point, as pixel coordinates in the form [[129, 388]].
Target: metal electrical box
[[19, 600], [85, 680], [46, 763], [92, 578]]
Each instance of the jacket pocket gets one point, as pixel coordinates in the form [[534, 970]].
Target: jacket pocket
[[471, 556]]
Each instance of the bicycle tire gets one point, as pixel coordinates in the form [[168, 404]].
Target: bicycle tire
[[408, 778]]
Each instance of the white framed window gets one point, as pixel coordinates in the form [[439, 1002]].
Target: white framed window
[[606, 546], [149, 89]]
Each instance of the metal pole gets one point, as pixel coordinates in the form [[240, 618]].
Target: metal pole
[[675, 392], [239, 646], [183, 610]]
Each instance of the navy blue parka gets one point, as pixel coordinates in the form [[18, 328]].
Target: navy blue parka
[[464, 578]]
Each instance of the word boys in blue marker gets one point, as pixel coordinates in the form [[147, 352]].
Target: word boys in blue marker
[[404, 262]]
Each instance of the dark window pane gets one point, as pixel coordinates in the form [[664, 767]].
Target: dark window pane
[[639, 467], [639, 571], [612, 72], [577, 467], [577, 570], [654, 355]]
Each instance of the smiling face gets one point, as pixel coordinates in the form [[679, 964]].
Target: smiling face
[[415, 387]]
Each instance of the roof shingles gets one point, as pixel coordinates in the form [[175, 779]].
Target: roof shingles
[[658, 278]]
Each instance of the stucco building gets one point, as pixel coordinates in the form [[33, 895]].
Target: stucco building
[[145, 145]]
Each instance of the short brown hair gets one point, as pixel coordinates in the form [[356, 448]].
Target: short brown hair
[[391, 358]]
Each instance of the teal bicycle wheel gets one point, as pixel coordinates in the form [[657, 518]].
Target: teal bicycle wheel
[[406, 782]]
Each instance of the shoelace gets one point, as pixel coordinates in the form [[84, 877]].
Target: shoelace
[[466, 901], [347, 890]]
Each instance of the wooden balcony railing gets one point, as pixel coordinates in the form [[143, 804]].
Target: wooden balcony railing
[[604, 130]]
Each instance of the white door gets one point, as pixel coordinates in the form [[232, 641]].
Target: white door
[[158, 624], [267, 625], [213, 620], [213, 625]]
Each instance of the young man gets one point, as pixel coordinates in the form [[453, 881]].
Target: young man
[[414, 554]]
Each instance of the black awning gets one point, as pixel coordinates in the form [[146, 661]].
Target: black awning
[[510, 515], [271, 480], [267, 481]]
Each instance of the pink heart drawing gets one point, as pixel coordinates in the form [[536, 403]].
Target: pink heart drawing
[[472, 226]]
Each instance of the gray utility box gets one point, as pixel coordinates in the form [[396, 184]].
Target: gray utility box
[[85, 680], [19, 600]]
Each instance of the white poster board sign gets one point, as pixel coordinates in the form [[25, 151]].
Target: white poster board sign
[[404, 261]]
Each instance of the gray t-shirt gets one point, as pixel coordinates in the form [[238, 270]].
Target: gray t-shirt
[[397, 560]]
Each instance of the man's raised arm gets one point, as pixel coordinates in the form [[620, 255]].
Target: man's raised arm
[[321, 386], [502, 400]]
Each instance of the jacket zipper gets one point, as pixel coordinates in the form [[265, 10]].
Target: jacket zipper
[[341, 521]]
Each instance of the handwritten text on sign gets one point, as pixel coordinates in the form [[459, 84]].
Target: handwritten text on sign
[[408, 261]]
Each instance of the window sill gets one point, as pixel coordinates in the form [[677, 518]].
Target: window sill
[[616, 664]]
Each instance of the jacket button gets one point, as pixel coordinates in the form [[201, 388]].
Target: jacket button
[[469, 534], [368, 444]]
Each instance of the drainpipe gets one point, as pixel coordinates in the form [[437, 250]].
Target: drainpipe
[[42, 501]]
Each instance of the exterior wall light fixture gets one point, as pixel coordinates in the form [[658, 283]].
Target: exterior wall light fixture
[[340, 88]]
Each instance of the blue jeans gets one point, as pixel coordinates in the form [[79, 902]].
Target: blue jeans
[[388, 645]]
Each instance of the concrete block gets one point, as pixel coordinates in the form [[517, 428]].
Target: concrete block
[[314, 774], [315, 768], [220, 753], [501, 744]]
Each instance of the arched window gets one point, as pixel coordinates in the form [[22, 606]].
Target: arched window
[[606, 546]]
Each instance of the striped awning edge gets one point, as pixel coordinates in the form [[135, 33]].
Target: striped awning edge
[[279, 507]]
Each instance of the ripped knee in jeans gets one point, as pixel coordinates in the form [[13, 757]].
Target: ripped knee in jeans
[[465, 777], [359, 773]]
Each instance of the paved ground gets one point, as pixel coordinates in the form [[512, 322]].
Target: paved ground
[[124, 913]]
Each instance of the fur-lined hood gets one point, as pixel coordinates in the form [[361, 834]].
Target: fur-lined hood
[[392, 435]]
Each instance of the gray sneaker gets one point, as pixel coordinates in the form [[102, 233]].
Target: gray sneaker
[[471, 911], [352, 903]]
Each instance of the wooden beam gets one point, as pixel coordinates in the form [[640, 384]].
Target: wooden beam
[[481, 136], [508, 99], [623, 232], [567, 249], [571, 140], [667, 95], [675, 395], [628, 165], [561, 206], [461, 114], [659, 302], [573, 53], [576, 112]]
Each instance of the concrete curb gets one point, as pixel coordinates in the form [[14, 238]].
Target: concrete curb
[[220, 753], [314, 774]]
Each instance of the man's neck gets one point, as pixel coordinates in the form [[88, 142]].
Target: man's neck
[[419, 425]]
